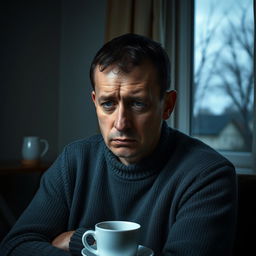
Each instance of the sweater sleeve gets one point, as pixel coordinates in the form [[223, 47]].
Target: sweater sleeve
[[75, 244], [45, 217], [206, 215]]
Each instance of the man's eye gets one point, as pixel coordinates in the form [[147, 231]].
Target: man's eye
[[108, 105], [138, 105]]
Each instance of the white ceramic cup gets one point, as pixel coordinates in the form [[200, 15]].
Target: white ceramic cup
[[32, 148], [113, 238]]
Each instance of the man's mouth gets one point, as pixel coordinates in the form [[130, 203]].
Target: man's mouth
[[123, 141]]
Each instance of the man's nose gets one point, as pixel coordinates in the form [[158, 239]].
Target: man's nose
[[122, 121]]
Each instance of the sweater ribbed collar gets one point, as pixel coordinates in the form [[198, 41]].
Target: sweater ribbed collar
[[148, 166]]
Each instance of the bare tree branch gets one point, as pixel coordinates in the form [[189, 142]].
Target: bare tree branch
[[230, 68]]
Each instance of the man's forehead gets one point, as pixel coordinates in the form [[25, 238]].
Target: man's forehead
[[122, 89], [141, 79]]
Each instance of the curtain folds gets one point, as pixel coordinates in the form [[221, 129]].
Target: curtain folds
[[144, 17]]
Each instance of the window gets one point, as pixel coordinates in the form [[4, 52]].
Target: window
[[222, 94], [214, 75]]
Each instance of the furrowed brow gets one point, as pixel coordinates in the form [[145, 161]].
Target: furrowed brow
[[105, 98]]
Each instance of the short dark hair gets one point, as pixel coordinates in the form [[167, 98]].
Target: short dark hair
[[129, 50]]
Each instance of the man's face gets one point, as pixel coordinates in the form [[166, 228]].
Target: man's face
[[130, 111]]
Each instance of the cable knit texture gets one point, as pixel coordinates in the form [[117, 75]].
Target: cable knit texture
[[183, 195]]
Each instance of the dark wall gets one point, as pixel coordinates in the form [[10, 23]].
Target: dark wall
[[29, 80], [46, 50], [83, 26]]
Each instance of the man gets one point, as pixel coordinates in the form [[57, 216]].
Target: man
[[181, 191]]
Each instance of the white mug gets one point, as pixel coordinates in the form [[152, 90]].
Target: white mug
[[113, 238], [31, 148]]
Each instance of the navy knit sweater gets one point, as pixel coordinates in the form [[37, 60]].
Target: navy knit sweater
[[183, 195]]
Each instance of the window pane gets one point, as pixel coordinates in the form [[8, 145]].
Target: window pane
[[223, 74]]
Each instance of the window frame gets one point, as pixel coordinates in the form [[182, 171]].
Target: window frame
[[180, 47]]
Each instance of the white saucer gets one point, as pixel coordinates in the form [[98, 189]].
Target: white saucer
[[142, 251]]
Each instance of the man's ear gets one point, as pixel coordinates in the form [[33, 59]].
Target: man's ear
[[169, 103], [93, 97]]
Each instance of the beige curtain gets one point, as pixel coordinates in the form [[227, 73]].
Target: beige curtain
[[144, 17]]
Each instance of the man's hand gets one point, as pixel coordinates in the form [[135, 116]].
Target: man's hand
[[62, 240]]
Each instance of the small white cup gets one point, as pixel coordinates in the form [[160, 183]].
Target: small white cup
[[114, 238], [31, 148]]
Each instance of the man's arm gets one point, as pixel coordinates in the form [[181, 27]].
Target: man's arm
[[205, 222]]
